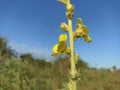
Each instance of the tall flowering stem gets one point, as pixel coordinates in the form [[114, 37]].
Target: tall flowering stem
[[72, 58], [81, 31]]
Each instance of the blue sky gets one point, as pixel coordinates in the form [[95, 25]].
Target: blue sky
[[33, 26]]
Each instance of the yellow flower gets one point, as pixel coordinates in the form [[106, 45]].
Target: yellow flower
[[81, 31], [55, 50], [69, 7], [61, 46], [62, 38], [70, 11]]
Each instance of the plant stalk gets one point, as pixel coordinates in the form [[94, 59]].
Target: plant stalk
[[73, 82]]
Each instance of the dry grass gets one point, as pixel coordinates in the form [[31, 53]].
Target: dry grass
[[42, 75]]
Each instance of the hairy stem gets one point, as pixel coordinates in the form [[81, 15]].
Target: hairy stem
[[72, 61], [73, 85]]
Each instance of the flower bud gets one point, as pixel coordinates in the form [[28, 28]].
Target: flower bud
[[87, 39], [64, 27], [69, 7], [79, 21]]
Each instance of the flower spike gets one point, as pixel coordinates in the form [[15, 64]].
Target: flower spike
[[61, 47]]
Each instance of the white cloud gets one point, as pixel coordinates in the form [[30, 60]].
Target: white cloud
[[37, 52]]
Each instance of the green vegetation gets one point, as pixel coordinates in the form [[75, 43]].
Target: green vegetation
[[5, 51], [43, 75], [28, 73]]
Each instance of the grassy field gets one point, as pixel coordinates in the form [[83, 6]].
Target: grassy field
[[36, 74]]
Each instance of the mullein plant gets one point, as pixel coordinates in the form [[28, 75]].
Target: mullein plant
[[61, 47]]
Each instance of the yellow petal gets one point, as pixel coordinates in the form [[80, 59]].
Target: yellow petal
[[62, 38], [69, 6], [55, 49]]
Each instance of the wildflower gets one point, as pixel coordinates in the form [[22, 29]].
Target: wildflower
[[81, 31], [60, 47], [69, 7], [70, 11]]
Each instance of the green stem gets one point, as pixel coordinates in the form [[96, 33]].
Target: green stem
[[73, 82], [72, 61]]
